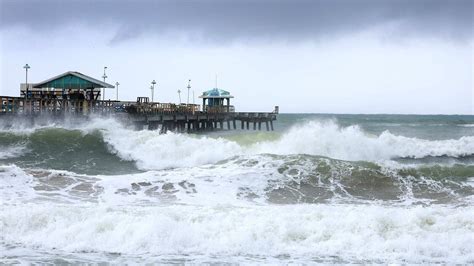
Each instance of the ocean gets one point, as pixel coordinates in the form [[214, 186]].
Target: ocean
[[321, 188]]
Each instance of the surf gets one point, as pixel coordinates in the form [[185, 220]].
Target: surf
[[302, 193], [325, 233]]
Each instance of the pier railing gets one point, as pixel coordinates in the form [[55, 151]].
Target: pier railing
[[20, 105], [219, 109]]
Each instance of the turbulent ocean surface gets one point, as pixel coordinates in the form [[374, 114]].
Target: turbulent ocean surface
[[320, 188]]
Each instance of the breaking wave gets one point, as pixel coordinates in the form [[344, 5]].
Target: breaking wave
[[109, 143], [352, 143]]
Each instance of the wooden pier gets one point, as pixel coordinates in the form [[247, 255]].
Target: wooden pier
[[141, 113], [74, 95]]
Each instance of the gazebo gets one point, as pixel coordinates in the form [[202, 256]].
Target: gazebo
[[69, 83], [215, 100]]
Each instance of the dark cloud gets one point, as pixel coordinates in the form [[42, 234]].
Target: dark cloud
[[225, 20]]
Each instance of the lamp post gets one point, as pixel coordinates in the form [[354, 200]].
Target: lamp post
[[104, 77], [116, 86], [152, 89], [194, 105], [26, 67], [189, 87], [179, 94]]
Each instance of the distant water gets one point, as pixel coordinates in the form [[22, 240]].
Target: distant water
[[320, 188]]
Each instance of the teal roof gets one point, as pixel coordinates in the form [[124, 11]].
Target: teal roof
[[216, 93], [72, 80]]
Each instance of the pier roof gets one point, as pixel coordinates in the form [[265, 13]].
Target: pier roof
[[72, 80], [216, 93]]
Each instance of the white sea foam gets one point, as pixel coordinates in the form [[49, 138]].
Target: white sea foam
[[12, 151], [346, 232], [15, 184], [24, 127]]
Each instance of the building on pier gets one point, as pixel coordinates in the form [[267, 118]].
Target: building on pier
[[69, 85], [213, 101]]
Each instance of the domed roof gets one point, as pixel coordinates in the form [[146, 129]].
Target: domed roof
[[216, 93]]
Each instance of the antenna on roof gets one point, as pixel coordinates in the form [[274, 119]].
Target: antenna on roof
[[216, 82]]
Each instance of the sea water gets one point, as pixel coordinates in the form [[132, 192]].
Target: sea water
[[320, 188]]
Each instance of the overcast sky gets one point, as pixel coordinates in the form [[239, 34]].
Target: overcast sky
[[376, 56]]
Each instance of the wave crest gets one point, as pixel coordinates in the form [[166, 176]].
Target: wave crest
[[150, 150], [352, 143]]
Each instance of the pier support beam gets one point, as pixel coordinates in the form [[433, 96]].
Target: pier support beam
[[266, 125], [152, 125], [164, 128], [138, 126]]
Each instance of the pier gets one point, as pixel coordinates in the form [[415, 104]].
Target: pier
[[73, 94]]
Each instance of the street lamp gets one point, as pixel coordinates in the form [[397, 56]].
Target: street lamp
[[104, 77], [116, 86], [152, 89], [26, 67], [189, 87], [179, 94]]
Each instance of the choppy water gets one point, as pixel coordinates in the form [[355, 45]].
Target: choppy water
[[321, 188]]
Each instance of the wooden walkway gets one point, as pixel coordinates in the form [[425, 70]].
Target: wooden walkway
[[153, 116]]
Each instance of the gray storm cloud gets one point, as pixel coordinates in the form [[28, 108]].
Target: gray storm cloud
[[246, 20]]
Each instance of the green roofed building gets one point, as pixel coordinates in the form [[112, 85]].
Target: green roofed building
[[70, 82], [213, 100]]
